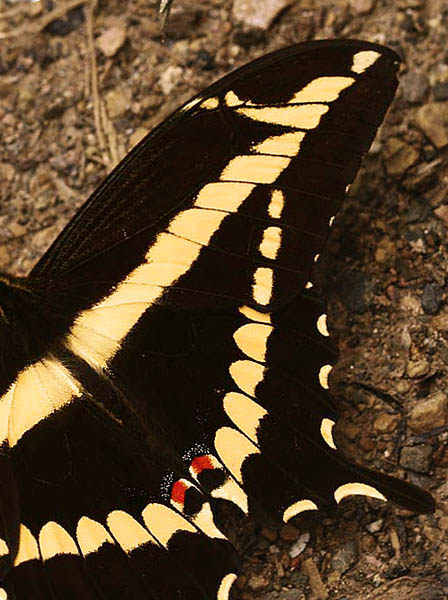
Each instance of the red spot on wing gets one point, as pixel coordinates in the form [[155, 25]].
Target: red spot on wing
[[201, 463], [178, 492]]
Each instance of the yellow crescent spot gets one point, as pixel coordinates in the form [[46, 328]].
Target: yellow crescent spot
[[323, 376], [298, 507], [224, 588], [326, 431], [357, 489], [322, 325]]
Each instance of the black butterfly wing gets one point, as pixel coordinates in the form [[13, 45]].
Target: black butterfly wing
[[173, 365]]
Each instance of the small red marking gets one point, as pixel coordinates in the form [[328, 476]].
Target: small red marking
[[178, 492], [201, 463]]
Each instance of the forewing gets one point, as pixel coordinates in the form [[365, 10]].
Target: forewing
[[229, 200]]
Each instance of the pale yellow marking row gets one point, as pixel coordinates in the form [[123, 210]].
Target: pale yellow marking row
[[233, 449], [38, 391], [98, 332], [54, 540]]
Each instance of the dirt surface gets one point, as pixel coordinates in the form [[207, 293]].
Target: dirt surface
[[77, 94]]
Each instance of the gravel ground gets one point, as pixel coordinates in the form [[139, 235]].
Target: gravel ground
[[78, 89]]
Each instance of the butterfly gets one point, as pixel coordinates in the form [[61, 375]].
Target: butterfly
[[168, 356]]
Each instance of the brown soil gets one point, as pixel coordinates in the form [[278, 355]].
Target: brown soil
[[66, 119]]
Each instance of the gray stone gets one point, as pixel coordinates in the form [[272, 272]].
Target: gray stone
[[414, 86], [432, 119], [417, 458], [345, 557], [440, 91], [429, 414], [431, 298]]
